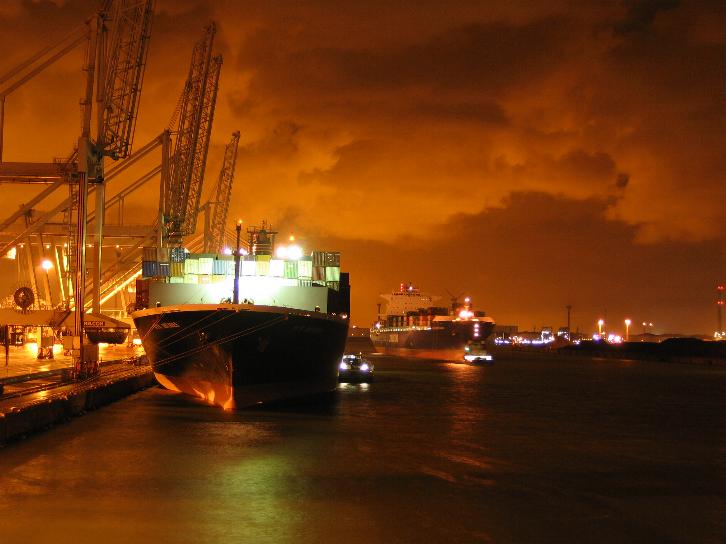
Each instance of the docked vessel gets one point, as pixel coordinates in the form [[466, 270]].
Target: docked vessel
[[285, 339], [411, 326]]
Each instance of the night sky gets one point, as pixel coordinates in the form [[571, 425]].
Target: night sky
[[528, 154]]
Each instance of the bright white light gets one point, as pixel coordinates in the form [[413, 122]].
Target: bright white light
[[137, 341], [46, 264], [471, 358], [364, 367], [294, 252], [227, 251], [12, 253], [466, 314], [344, 366]]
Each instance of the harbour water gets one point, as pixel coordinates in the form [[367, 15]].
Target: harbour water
[[518, 451]]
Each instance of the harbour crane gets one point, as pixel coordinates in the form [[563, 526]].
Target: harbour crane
[[181, 192], [215, 211], [117, 39]]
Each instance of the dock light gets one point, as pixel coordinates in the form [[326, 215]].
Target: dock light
[[600, 323], [136, 341], [227, 251], [12, 253], [627, 329], [46, 264]]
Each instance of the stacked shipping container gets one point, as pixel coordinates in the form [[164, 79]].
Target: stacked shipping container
[[178, 266]]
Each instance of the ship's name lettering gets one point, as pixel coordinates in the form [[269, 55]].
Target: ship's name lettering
[[168, 325]]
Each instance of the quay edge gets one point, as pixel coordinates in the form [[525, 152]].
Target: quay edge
[[34, 416]]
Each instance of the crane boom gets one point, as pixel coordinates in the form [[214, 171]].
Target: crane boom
[[196, 112], [220, 204], [127, 49]]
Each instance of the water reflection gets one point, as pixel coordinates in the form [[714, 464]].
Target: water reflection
[[522, 451]]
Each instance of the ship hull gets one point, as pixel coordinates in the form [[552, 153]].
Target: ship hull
[[239, 355], [444, 341]]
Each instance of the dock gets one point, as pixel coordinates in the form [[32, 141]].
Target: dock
[[36, 394]]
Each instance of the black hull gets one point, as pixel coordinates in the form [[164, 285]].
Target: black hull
[[240, 355], [445, 340]]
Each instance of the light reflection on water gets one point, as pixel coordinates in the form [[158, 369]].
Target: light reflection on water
[[521, 451]]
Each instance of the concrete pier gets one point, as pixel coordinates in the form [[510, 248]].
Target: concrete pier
[[24, 414]]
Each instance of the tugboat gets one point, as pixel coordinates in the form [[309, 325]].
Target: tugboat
[[285, 339], [413, 327]]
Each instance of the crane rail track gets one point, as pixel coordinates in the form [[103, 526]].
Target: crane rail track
[[56, 379]]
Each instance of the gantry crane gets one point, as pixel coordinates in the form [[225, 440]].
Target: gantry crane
[[181, 192], [117, 40], [215, 211]]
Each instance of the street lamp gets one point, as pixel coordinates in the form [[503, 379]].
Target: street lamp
[[600, 323], [627, 329], [235, 291], [46, 264]]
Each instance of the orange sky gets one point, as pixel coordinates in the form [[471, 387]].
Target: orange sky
[[532, 154]]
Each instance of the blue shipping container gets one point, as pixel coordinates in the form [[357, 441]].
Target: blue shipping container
[[149, 269]]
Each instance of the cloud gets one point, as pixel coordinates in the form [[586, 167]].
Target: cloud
[[377, 121]]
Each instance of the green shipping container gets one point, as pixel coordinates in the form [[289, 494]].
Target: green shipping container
[[332, 273], [291, 270]]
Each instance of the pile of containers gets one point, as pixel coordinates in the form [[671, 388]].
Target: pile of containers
[[175, 265]]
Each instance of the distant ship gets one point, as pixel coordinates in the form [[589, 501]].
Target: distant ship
[[285, 339], [411, 326]]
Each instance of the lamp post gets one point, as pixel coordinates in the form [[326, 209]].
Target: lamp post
[[235, 295], [627, 329]]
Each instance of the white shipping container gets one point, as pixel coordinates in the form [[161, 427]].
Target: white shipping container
[[304, 269], [277, 268], [191, 266], [249, 268]]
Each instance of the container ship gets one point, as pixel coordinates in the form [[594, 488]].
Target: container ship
[[280, 335], [413, 327]]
